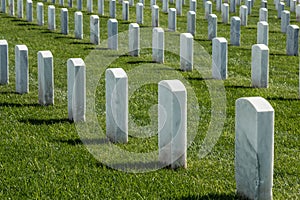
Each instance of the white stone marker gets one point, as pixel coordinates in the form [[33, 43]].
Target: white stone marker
[[219, 58], [45, 78], [152, 3], [232, 6], [264, 4], [191, 22], [254, 148], [179, 7], [158, 45], [11, 9], [212, 26], [51, 18], [4, 69], [61, 2], [165, 6], [94, 29], [112, 8], [116, 85], [142, 1], [280, 9], [29, 11], [78, 25], [125, 10], [64, 20], [172, 123], [193, 5], [244, 15], [134, 39], [237, 2], [285, 20], [276, 2], [218, 5], [225, 13], [3, 6], [112, 40], [287, 3], [208, 9], [101, 7], [292, 36], [70, 3], [22, 71], [155, 16], [293, 5], [235, 31], [186, 51], [89, 5], [298, 13], [40, 13], [20, 8], [139, 13], [263, 33], [260, 66], [131, 3], [79, 5], [172, 19], [76, 89], [263, 14], [248, 4]]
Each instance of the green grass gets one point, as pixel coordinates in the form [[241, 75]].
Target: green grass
[[42, 156]]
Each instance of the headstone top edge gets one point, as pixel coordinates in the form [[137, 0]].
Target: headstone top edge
[[259, 103]]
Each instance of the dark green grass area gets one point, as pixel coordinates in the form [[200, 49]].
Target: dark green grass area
[[43, 157]]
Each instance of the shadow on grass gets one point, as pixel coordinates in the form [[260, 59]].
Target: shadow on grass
[[79, 42], [199, 79], [278, 54], [282, 99], [96, 48], [212, 196], [238, 86], [133, 166], [79, 141], [44, 121], [140, 61], [5, 104]]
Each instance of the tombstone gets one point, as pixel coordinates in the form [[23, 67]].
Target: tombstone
[[64, 20], [263, 33], [212, 26], [298, 13], [232, 6], [94, 29], [218, 5], [244, 15], [263, 14], [219, 58], [4, 68], [172, 123], [78, 25], [61, 2], [155, 16], [22, 71], [112, 40], [165, 6], [139, 13], [287, 2], [225, 13], [112, 8], [208, 9], [235, 31], [152, 3], [260, 66], [29, 11], [191, 22], [45, 78], [53, 1], [172, 19], [276, 2], [76, 89], [193, 5], [254, 148], [264, 4], [179, 7], [186, 51], [158, 45], [285, 20], [131, 3], [125, 10], [248, 4], [79, 5], [11, 5], [3, 6], [280, 9], [142, 2], [40, 13], [293, 5], [116, 86], [20, 8], [89, 6], [237, 2], [70, 3], [51, 18], [101, 7], [292, 36], [134, 39]]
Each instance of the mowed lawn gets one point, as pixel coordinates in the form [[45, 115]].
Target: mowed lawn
[[43, 157]]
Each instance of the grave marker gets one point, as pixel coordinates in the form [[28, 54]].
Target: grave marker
[[244, 15], [155, 16], [139, 13], [22, 71], [78, 25], [179, 7], [51, 18], [125, 10], [285, 20], [212, 26], [262, 33], [94, 29], [260, 66], [112, 40], [208, 9], [235, 31], [4, 68], [172, 19], [191, 22], [225, 13], [20, 8], [134, 39], [158, 45], [101, 7], [219, 58], [186, 51], [263, 14], [112, 8], [40, 13], [292, 40], [29, 11], [64, 20]]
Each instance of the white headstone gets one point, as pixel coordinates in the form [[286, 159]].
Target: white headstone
[[94, 29], [22, 70], [51, 18], [101, 7], [131, 3], [285, 20], [165, 6], [89, 5], [3, 6], [235, 31], [61, 2], [292, 36], [152, 3], [262, 32], [264, 4], [64, 20], [40, 13], [4, 68], [280, 9], [232, 6], [191, 22], [172, 19], [125, 10], [158, 45], [219, 58], [29, 11], [212, 26], [20, 8], [79, 5], [248, 4], [186, 51], [70, 3], [298, 13], [293, 5], [112, 40], [155, 16], [225, 13], [139, 13], [208, 9], [260, 66], [134, 39], [193, 5], [78, 25], [11, 5], [244, 15], [219, 5], [263, 14], [112, 8], [179, 7]]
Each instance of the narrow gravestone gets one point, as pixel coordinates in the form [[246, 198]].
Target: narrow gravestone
[[131, 3], [152, 3], [94, 29], [11, 5], [79, 5], [219, 58], [232, 6], [139, 13], [254, 148], [244, 15], [293, 5], [263, 14], [134, 39], [112, 41], [20, 8], [235, 31], [70, 3], [172, 123], [208, 9], [193, 5], [61, 2], [262, 32], [172, 19], [218, 5], [260, 66], [264, 4], [64, 20], [101, 7], [45, 78], [142, 2], [298, 13], [287, 2], [76, 89], [179, 7], [29, 11], [225, 13], [4, 68], [285, 20], [3, 6], [155, 16], [125, 10], [112, 8], [116, 86], [191, 22], [212, 26], [51, 18], [237, 2], [248, 4], [276, 2], [165, 6], [40, 13], [78, 25], [280, 9], [158, 45], [22, 70], [186, 51], [292, 40], [89, 6]]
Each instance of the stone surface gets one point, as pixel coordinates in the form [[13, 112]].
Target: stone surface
[[152, 3], [244, 15], [235, 31], [263, 14], [76, 89], [193, 5], [293, 5], [232, 6], [20, 8], [11, 7], [208, 9], [219, 58], [263, 33], [112, 8], [212, 26], [186, 51], [254, 148], [40, 14], [131, 3], [172, 19], [139, 13], [191, 22], [89, 5], [112, 40], [64, 21], [61, 2], [78, 25], [101, 7], [179, 7], [79, 5], [298, 13], [125, 10], [4, 67], [51, 18], [225, 13], [260, 66], [134, 39], [3, 6], [158, 45], [248, 4], [172, 123], [280, 9], [165, 6], [22, 70], [116, 84], [29, 11], [285, 20], [94, 29], [70, 3], [264, 4], [218, 5], [45, 78], [292, 42], [155, 16]]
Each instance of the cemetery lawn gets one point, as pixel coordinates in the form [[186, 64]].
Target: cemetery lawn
[[42, 156]]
